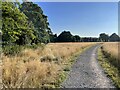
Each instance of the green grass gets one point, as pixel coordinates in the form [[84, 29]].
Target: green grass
[[111, 71]]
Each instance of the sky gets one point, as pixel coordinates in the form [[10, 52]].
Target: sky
[[87, 19]]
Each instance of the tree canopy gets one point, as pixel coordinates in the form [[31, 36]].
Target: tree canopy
[[65, 36], [114, 37], [104, 37], [15, 27], [76, 38], [24, 24], [39, 20]]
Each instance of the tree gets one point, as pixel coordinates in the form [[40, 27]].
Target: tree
[[114, 37], [53, 37], [89, 39], [76, 38], [65, 36], [85, 39], [35, 14], [15, 27], [103, 37]]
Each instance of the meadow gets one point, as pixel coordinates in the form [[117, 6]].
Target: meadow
[[41, 67], [109, 59]]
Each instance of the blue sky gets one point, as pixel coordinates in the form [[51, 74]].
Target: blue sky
[[83, 18]]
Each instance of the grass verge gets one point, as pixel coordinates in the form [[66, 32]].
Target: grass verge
[[111, 71]]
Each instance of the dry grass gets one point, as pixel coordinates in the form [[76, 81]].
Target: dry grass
[[108, 57], [39, 67], [112, 49], [28, 75]]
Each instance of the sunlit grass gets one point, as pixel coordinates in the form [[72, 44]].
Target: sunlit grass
[[41, 67], [111, 50], [108, 58]]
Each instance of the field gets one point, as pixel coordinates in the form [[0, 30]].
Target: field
[[110, 61], [41, 67]]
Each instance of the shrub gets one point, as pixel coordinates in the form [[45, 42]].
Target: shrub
[[11, 49]]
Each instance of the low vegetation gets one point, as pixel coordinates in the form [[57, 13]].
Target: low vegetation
[[40, 67], [109, 60], [111, 51]]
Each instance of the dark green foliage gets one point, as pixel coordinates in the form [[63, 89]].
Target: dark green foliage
[[14, 49], [0, 37], [65, 36], [104, 37], [53, 37], [76, 38], [15, 27], [35, 14], [11, 49], [89, 39], [114, 37]]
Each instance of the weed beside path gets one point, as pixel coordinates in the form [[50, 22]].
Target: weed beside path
[[108, 61]]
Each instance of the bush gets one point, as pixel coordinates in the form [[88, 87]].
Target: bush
[[34, 46], [15, 49], [11, 49]]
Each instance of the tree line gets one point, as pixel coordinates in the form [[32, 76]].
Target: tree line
[[66, 36], [26, 23]]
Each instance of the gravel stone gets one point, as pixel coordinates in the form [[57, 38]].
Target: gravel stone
[[87, 73]]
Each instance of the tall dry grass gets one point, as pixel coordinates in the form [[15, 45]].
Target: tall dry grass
[[38, 67], [112, 51]]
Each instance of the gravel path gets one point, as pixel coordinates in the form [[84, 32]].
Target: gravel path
[[87, 73]]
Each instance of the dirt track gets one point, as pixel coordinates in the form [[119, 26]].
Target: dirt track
[[87, 73]]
